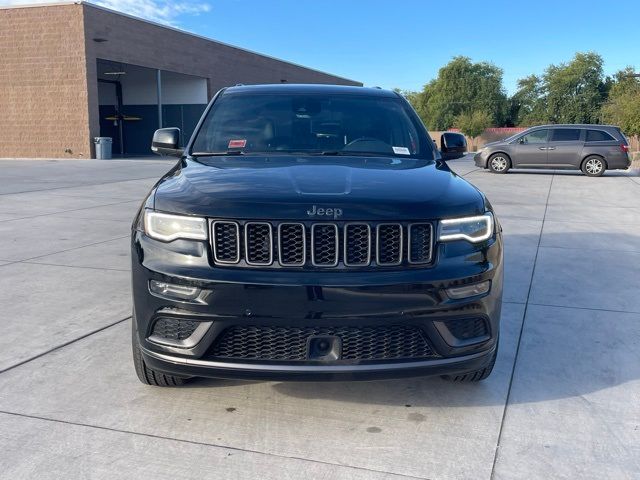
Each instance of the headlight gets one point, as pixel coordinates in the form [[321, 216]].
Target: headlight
[[165, 227], [472, 229]]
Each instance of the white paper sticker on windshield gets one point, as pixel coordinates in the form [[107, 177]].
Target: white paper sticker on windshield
[[401, 151]]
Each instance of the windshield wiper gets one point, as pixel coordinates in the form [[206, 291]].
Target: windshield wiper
[[347, 153], [328, 153], [217, 154], [273, 152]]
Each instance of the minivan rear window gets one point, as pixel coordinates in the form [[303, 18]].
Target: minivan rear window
[[565, 134], [598, 136]]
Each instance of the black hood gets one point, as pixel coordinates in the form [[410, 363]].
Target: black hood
[[286, 187]]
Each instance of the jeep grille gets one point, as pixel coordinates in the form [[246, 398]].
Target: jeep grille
[[321, 244]]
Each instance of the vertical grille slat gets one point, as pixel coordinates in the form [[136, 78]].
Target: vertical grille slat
[[389, 240], [292, 244], [359, 244], [324, 244], [258, 243], [226, 242], [420, 241]]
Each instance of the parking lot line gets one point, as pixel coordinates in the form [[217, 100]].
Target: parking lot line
[[58, 347], [515, 362], [138, 455]]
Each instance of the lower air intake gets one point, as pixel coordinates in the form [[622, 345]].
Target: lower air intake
[[468, 328], [283, 343], [174, 329]]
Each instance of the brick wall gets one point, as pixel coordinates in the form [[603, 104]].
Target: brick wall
[[48, 77], [43, 83]]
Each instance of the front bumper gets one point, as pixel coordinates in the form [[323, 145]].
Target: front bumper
[[321, 300], [252, 371], [480, 159]]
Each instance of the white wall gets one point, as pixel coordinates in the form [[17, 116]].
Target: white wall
[[139, 88], [183, 89]]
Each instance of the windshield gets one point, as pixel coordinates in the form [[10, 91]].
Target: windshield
[[338, 124]]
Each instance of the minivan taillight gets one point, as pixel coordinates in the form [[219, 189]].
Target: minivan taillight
[[624, 148]]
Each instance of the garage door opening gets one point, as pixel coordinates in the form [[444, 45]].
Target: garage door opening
[[135, 101]]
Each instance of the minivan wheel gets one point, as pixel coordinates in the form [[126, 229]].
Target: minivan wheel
[[499, 163], [147, 375], [593, 166]]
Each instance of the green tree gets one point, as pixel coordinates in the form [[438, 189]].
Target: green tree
[[623, 106], [462, 87], [571, 92], [575, 91], [528, 104], [415, 99], [473, 124]]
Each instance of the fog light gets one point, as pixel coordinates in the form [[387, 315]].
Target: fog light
[[465, 291], [171, 291]]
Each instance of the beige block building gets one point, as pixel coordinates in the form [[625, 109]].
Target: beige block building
[[74, 71]]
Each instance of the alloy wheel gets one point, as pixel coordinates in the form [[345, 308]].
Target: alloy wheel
[[593, 166], [499, 164]]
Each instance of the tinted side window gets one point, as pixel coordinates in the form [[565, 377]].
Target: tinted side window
[[565, 134], [598, 136], [539, 136]]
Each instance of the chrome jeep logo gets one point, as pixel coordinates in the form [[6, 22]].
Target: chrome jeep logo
[[335, 213]]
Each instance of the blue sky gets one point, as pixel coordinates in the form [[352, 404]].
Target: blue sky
[[404, 43]]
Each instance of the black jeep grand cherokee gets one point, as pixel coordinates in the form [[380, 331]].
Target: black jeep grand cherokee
[[312, 232]]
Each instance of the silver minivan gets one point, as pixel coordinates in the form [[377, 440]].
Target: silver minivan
[[590, 148]]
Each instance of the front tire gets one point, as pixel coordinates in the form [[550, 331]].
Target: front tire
[[593, 166], [147, 375], [499, 163]]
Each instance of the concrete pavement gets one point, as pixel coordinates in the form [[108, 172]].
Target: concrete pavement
[[563, 402]]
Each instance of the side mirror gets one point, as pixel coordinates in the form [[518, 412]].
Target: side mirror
[[453, 145], [521, 141], [166, 141]]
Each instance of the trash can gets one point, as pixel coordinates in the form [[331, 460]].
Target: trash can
[[103, 147]]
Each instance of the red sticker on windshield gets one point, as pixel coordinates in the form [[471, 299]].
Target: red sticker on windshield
[[237, 143]]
